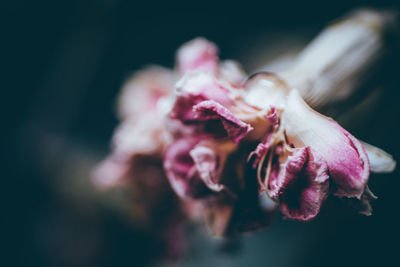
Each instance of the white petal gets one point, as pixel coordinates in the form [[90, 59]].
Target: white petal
[[379, 160]]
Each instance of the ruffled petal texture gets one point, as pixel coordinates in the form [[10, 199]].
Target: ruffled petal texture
[[235, 128], [194, 167], [306, 156], [344, 155], [193, 89], [234, 149], [301, 185]]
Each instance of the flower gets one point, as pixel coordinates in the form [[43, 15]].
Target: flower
[[233, 149], [203, 109], [194, 166], [301, 158], [213, 119], [307, 156]]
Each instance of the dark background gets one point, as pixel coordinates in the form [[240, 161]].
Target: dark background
[[64, 63]]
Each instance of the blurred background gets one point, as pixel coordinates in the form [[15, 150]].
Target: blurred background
[[65, 62]]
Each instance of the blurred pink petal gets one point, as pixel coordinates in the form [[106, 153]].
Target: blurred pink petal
[[141, 93], [198, 54]]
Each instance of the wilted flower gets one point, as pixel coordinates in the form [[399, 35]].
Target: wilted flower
[[307, 156], [229, 145], [209, 105]]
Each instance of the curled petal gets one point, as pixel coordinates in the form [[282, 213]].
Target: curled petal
[[198, 54], [194, 167], [363, 205], [273, 118], [183, 107], [301, 185], [181, 170], [379, 160], [344, 155], [193, 89], [259, 152], [262, 148], [207, 164], [236, 129]]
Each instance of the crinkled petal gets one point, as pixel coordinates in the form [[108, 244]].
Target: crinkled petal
[[193, 89], [344, 155], [194, 166], [301, 186], [262, 148], [363, 204], [235, 128], [183, 107], [273, 117], [208, 166], [181, 170]]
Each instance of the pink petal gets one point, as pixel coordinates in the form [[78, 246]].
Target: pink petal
[[344, 155], [194, 89], [109, 173], [143, 90], [141, 136], [273, 117], [181, 171], [236, 129], [262, 148], [198, 54], [301, 185], [194, 168], [208, 166]]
